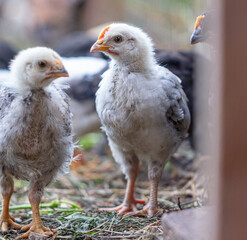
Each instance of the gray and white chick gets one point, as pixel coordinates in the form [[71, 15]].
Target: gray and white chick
[[35, 134], [142, 108]]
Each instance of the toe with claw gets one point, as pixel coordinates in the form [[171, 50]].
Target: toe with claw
[[36, 228], [125, 207], [6, 222]]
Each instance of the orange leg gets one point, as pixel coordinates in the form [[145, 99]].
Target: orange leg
[[36, 225], [5, 219], [155, 170], [151, 208], [129, 203]]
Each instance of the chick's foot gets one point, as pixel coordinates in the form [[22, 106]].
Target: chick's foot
[[6, 222], [36, 228], [148, 210], [125, 207]]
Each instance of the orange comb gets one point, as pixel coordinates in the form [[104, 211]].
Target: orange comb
[[198, 21], [102, 34]]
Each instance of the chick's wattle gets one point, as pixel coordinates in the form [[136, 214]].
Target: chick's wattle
[[142, 108], [35, 134]]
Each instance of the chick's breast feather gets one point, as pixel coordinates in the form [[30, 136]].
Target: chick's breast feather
[[142, 108], [137, 112], [35, 133]]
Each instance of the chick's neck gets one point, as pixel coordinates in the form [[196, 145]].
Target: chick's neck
[[135, 63]]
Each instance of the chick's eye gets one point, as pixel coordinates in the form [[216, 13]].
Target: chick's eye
[[42, 64], [118, 39]]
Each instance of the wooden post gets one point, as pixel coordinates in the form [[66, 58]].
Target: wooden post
[[233, 137]]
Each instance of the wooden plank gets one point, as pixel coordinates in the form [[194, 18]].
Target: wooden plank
[[233, 167]]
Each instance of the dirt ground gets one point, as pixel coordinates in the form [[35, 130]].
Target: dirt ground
[[71, 203]]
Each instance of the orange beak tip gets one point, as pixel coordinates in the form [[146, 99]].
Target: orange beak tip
[[63, 72], [93, 48], [66, 74]]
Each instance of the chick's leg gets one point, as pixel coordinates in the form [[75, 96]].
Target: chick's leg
[[35, 195], [155, 170], [130, 164], [7, 188]]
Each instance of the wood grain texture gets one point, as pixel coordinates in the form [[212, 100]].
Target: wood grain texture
[[233, 194]]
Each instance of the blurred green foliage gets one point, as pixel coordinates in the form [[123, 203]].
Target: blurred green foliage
[[90, 140]]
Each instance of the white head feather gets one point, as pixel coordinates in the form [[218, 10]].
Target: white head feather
[[135, 48], [35, 68]]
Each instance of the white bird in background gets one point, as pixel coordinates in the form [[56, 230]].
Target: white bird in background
[[142, 108], [35, 134]]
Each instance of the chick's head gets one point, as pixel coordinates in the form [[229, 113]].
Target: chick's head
[[37, 68], [124, 43]]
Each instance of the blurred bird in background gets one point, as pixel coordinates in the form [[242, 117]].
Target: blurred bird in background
[[35, 134], [142, 108], [203, 30]]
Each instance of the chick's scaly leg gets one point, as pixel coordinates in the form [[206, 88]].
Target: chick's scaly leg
[[151, 208], [129, 203], [36, 225], [7, 188], [155, 170]]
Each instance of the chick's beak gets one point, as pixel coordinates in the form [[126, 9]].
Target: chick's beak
[[60, 71], [196, 36], [99, 46]]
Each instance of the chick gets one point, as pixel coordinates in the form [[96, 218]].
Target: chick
[[35, 134], [142, 108]]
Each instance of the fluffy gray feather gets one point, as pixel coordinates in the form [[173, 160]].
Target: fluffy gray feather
[[144, 114], [35, 133]]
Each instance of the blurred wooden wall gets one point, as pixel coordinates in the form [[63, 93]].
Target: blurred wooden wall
[[233, 157]]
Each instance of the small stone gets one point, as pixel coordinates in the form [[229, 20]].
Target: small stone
[[37, 236], [190, 224]]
